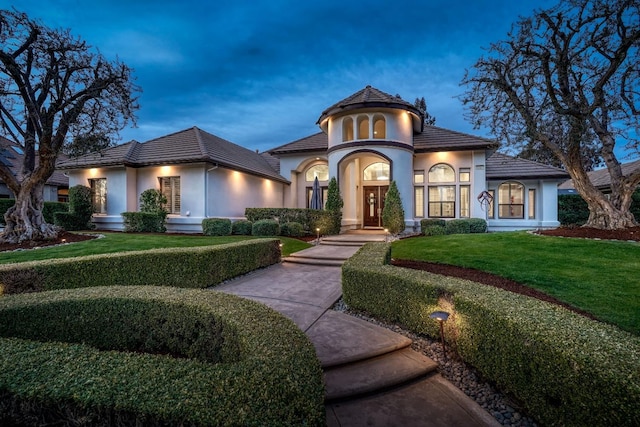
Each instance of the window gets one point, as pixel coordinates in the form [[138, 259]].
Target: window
[[363, 127], [376, 172], [465, 201], [442, 173], [511, 200], [442, 201], [347, 129], [532, 203], [379, 127], [170, 188], [418, 201], [465, 175], [99, 195], [325, 193], [320, 171], [418, 177]]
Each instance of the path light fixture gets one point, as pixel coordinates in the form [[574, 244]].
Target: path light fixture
[[386, 234], [441, 317], [317, 236]]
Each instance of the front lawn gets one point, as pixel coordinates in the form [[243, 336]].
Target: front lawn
[[600, 277], [124, 242]]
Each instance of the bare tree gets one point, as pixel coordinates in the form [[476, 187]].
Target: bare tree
[[52, 86], [563, 77]]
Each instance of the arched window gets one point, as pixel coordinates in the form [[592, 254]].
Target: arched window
[[320, 171], [376, 172], [379, 127], [511, 200], [363, 127], [442, 173], [347, 129]]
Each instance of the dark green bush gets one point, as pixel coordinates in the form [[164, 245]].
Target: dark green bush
[[50, 208], [5, 204], [216, 227], [80, 210], [144, 222], [309, 218], [434, 230], [152, 201], [572, 209], [332, 223], [477, 225], [427, 222], [196, 267], [393, 213], [291, 229], [265, 227], [270, 374], [558, 363], [242, 227], [457, 226]]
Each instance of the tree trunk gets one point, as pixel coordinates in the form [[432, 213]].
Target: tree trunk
[[605, 213], [24, 221]]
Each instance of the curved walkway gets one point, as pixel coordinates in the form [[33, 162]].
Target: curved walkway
[[372, 377]]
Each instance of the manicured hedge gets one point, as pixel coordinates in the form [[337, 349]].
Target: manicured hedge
[[292, 229], [245, 364], [309, 218], [265, 227], [573, 210], [458, 226], [437, 227], [216, 226], [144, 222], [242, 227], [566, 369], [196, 267]]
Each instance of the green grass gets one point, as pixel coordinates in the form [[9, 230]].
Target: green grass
[[600, 277], [123, 242]]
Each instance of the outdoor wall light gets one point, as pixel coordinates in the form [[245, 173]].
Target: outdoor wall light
[[441, 317]]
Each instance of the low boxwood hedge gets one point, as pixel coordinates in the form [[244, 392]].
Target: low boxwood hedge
[[265, 227], [80, 357], [196, 267], [291, 229], [144, 222], [216, 226], [241, 227], [566, 369]]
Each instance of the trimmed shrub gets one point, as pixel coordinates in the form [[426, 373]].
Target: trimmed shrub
[[144, 222], [5, 204], [265, 227], [216, 226], [196, 267], [269, 373], [572, 209], [427, 222], [557, 363], [291, 229], [458, 226], [50, 208], [80, 210], [393, 213], [332, 223], [434, 230], [477, 225], [309, 218], [152, 201], [242, 227]]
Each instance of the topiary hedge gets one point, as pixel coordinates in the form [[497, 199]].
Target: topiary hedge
[[265, 227], [291, 229], [144, 222], [242, 227], [153, 356], [457, 226], [437, 227], [309, 218], [566, 369], [216, 226], [196, 267]]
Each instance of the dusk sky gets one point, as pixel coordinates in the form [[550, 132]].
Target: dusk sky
[[260, 73]]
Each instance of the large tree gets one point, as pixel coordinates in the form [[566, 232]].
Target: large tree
[[53, 86], [564, 77]]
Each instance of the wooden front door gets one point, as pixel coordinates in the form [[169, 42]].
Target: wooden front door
[[373, 204]]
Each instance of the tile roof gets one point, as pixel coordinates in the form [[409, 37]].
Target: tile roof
[[369, 97], [188, 146], [12, 158], [601, 178], [316, 142], [501, 166]]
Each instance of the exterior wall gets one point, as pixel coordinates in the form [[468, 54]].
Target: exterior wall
[[546, 206], [293, 168]]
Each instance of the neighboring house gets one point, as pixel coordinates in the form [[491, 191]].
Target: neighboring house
[[599, 178], [56, 188], [366, 140]]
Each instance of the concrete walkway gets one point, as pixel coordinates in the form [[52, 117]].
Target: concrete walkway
[[372, 377]]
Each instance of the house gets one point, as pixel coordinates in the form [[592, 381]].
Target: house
[[366, 140], [56, 188], [599, 178]]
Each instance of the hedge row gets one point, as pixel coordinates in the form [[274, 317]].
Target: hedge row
[[254, 367], [310, 219], [48, 210], [573, 210], [196, 267], [144, 222], [566, 369], [438, 227]]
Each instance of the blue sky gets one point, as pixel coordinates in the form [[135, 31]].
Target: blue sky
[[259, 73]]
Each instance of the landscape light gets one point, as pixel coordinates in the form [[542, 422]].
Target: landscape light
[[441, 317]]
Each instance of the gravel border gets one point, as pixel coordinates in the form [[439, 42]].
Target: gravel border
[[504, 409]]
